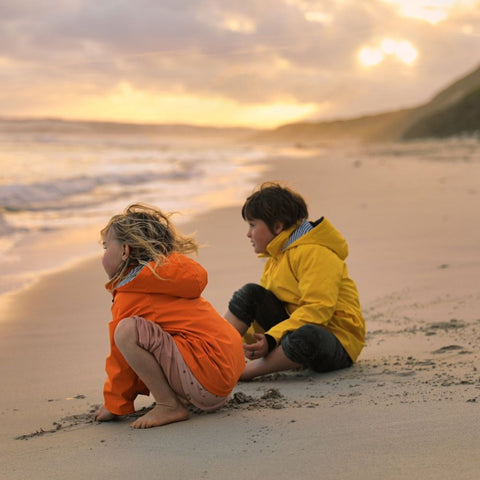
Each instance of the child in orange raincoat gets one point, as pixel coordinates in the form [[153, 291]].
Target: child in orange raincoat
[[165, 339]]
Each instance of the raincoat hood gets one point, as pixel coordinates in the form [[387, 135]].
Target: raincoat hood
[[323, 233], [179, 276]]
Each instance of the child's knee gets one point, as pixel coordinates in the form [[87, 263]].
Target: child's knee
[[315, 347], [125, 332], [244, 302]]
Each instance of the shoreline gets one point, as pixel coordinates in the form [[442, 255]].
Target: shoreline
[[408, 408], [46, 225]]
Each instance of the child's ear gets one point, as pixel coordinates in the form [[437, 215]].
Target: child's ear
[[126, 251], [277, 227]]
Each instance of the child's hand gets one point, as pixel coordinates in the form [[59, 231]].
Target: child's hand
[[103, 415], [258, 349]]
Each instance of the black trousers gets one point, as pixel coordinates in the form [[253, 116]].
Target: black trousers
[[312, 346]]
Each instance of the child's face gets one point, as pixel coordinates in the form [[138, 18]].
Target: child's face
[[260, 235], [115, 254]]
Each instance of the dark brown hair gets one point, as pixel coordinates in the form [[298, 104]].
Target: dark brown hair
[[273, 203]]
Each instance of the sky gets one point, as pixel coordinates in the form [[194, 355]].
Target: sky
[[258, 63]]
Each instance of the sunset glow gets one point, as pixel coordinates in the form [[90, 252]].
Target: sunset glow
[[230, 63], [125, 103], [239, 24], [369, 56], [401, 50], [432, 11]]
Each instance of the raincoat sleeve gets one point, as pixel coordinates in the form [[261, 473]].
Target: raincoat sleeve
[[318, 272], [122, 384]]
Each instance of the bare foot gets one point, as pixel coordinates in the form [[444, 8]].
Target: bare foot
[[103, 415], [161, 415]]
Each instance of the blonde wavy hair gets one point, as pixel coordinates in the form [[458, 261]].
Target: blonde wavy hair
[[150, 235]]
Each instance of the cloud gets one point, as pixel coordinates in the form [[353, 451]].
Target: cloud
[[249, 55]]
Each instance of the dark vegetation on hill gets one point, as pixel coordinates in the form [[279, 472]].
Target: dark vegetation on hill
[[462, 118], [453, 111]]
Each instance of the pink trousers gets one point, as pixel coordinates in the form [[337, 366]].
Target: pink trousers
[[153, 339]]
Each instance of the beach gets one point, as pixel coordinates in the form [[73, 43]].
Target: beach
[[409, 408]]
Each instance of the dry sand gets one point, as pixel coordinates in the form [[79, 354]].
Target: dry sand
[[408, 409]]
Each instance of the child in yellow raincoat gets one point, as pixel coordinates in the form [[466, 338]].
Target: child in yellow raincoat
[[306, 310]]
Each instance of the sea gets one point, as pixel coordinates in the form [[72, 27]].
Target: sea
[[60, 183]]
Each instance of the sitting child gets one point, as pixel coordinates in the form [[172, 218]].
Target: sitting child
[[306, 310]]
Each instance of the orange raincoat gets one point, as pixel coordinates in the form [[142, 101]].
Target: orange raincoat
[[210, 346]]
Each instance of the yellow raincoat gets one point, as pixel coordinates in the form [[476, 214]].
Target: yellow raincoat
[[311, 278]]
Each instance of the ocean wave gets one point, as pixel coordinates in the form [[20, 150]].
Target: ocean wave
[[52, 194]]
